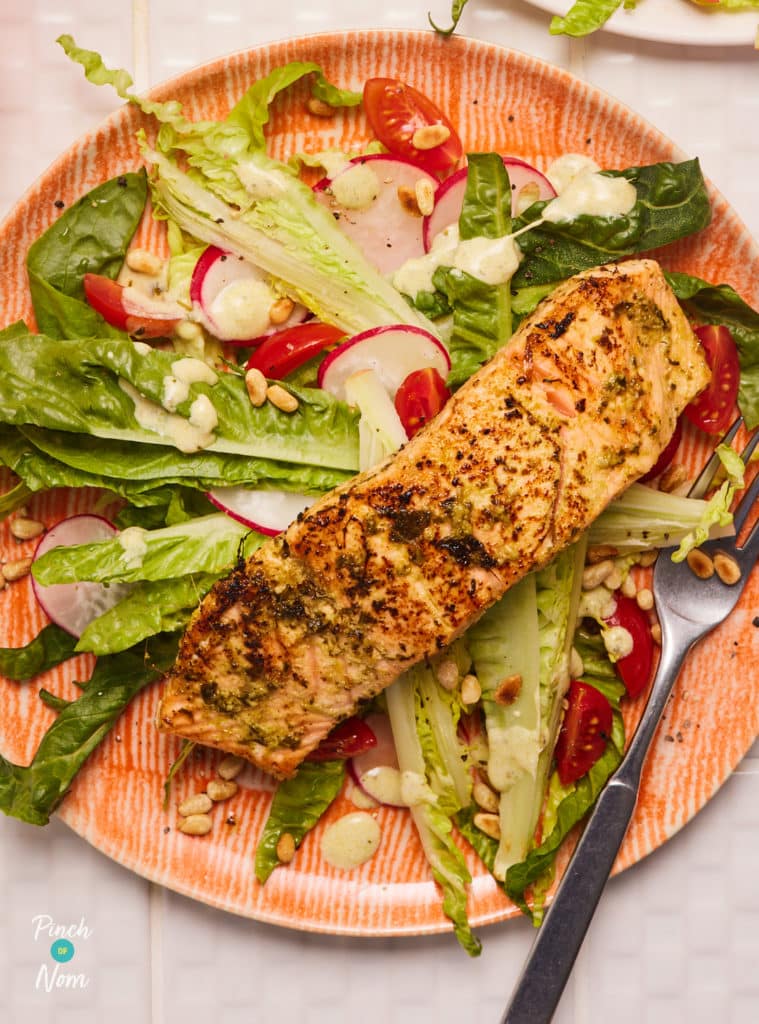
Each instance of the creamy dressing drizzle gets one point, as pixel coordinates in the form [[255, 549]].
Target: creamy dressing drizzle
[[183, 434], [241, 310], [592, 194], [568, 166], [132, 540], [356, 188], [351, 840]]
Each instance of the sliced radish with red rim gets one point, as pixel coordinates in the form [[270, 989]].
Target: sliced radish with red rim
[[528, 186], [376, 770], [385, 229], [73, 606], [392, 352], [268, 512]]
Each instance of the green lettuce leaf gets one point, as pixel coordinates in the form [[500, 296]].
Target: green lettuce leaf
[[586, 16], [49, 648], [457, 9], [32, 793], [297, 806]]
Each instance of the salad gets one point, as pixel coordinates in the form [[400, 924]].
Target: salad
[[125, 362]]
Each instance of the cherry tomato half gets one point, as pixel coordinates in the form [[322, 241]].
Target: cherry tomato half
[[420, 397], [713, 409], [285, 351], [351, 737], [667, 455], [635, 668], [107, 298], [584, 731], [396, 110]]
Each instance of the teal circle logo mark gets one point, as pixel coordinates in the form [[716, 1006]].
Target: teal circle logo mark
[[62, 950]]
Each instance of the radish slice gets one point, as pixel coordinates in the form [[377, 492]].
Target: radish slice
[[232, 298], [528, 185], [385, 231], [268, 512], [73, 606], [376, 771], [392, 352]]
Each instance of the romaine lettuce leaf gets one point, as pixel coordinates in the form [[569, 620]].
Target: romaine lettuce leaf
[[586, 16]]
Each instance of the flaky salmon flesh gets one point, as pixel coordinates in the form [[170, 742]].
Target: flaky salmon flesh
[[392, 567]]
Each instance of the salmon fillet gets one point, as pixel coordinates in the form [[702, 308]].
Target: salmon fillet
[[393, 566]]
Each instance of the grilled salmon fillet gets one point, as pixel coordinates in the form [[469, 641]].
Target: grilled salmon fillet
[[393, 566]]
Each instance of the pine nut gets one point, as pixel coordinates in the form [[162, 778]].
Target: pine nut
[[144, 262], [628, 587], [281, 310], [407, 199], [196, 825], [489, 824], [221, 789], [647, 558], [644, 599], [726, 568], [26, 529], [471, 691], [447, 673], [281, 399], [17, 569], [674, 476], [700, 564], [656, 634], [614, 580], [198, 803], [255, 385], [508, 689], [599, 553], [230, 767], [319, 108], [594, 575], [285, 848], [188, 330], [430, 135], [485, 798], [576, 666], [425, 196]]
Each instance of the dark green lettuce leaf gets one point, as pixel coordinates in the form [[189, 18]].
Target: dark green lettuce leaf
[[49, 648]]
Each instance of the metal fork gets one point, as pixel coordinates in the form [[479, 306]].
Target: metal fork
[[688, 608]]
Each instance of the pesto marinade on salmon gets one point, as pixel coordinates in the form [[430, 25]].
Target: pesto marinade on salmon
[[393, 566]]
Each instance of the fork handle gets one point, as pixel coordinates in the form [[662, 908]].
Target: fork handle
[[557, 944]]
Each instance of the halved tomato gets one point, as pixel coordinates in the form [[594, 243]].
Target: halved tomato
[[285, 351], [584, 731], [347, 739], [420, 397], [107, 298], [396, 111], [713, 410]]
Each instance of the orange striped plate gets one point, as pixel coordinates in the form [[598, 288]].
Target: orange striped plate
[[499, 100]]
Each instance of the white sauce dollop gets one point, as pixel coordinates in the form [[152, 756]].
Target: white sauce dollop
[[356, 188], [593, 194], [492, 260], [351, 840], [241, 310], [203, 414], [415, 275], [175, 429], [134, 545], [568, 166], [618, 642], [194, 371], [598, 603]]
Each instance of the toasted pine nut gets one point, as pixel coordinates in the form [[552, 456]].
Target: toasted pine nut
[[644, 599], [425, 196], [656, 634], [508, 689], [430, 135], [628, 587], [488, 823], [647, 558], [485, 798], [221, 789], [319, 108], [196, 825], [230, 767], [674, 476], [255, 385], [594, 575], [471, 691], [614, 580], [17, 569], [700, 564], [599, 553], [576, 666], [408, 200], [188, 330], [281, 310], [285, 848], [26, 529], [447, 673], [726, 568], [144, 262], [281, 399], [198, 803]]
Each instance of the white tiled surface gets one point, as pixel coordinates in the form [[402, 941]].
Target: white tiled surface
[[676, 939]]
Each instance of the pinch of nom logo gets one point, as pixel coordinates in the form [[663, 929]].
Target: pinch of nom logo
[[61, 949]]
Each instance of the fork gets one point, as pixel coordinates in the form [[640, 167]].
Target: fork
[[688, 608]]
